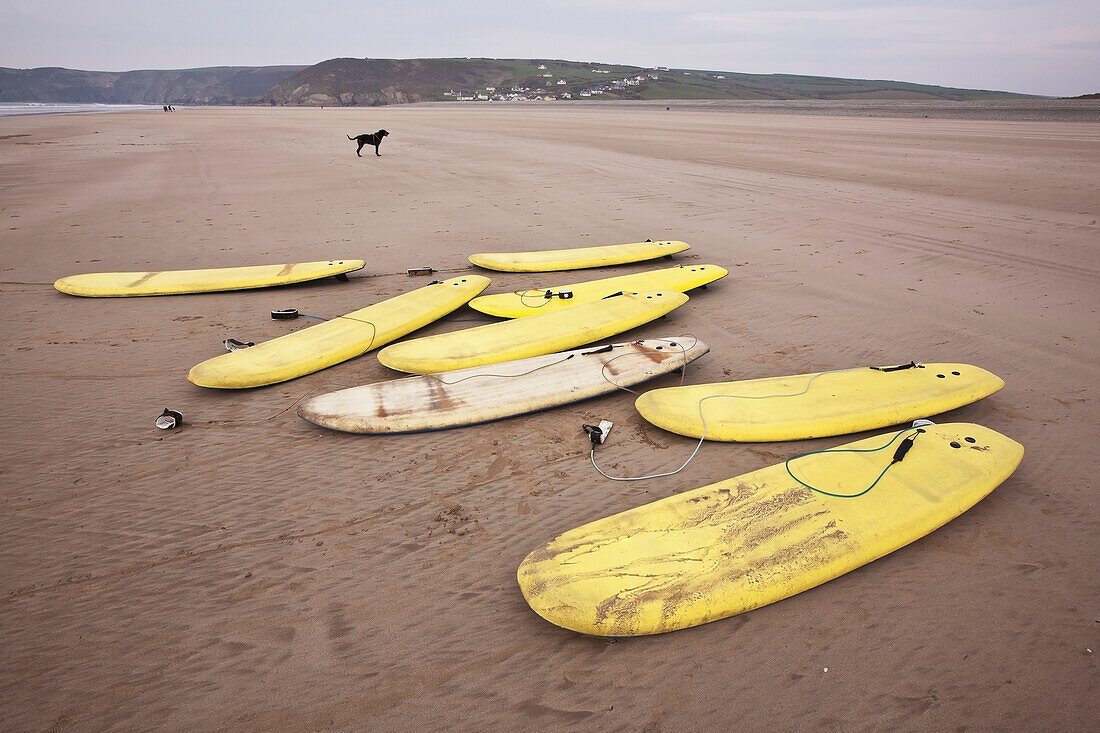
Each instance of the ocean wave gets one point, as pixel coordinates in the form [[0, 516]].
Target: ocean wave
[[12, 109]]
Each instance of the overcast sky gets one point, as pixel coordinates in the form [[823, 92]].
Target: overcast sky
[[1049, 47]]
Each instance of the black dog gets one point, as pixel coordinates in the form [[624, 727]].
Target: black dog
[[373, 138]]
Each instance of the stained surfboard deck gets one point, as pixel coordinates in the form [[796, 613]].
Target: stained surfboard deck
[[181, 282], [528, 302], [577, 258], [325, 344], [748, 541], [816, 405], [526, 337], [485, 393]]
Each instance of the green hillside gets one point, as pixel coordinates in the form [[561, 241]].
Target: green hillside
[[363, 82], [214, 85]]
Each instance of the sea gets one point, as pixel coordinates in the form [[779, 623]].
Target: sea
[[13, 109], [1032, 109], [1015, 110]]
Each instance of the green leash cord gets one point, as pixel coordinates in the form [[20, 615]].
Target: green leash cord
[[899, 454]]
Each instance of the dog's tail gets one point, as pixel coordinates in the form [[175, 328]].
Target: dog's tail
[[349, 137]]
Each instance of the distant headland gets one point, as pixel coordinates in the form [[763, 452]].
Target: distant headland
[[348, 82]]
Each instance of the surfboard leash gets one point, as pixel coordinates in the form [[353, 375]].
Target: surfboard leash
[[441, 380], [670, 342], [542, 297], [598, 440], [592, 457], [702, 436], [230, 423], [899, 455], [813, 378]]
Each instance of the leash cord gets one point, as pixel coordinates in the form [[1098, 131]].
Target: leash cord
[[899, 454], [592, 452]]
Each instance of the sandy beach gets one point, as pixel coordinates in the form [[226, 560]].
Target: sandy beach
[[250, 571]]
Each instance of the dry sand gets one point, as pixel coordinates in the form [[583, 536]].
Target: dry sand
[[251, 572]]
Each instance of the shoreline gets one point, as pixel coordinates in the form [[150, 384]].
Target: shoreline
[[1030, 110], [1040, 110], [32, 109]]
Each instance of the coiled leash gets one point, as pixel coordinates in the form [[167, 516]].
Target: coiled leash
[[899, 455]]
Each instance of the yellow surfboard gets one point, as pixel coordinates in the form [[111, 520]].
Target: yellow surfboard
[[578, 258], [526, 337], [544, 299], [816, 405], [321, 346], [748, 541], [180, 282], [496, 391]]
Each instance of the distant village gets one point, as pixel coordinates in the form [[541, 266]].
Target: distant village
[[573, 90]]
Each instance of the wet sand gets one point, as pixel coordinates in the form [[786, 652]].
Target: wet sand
[[250, 571]]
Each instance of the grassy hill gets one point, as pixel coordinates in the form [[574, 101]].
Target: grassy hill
[[368, 82], [363, 82], [213, 85], [710, 85]]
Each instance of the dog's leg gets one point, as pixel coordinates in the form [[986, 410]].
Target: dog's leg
[[376, 148], [357, 150]]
